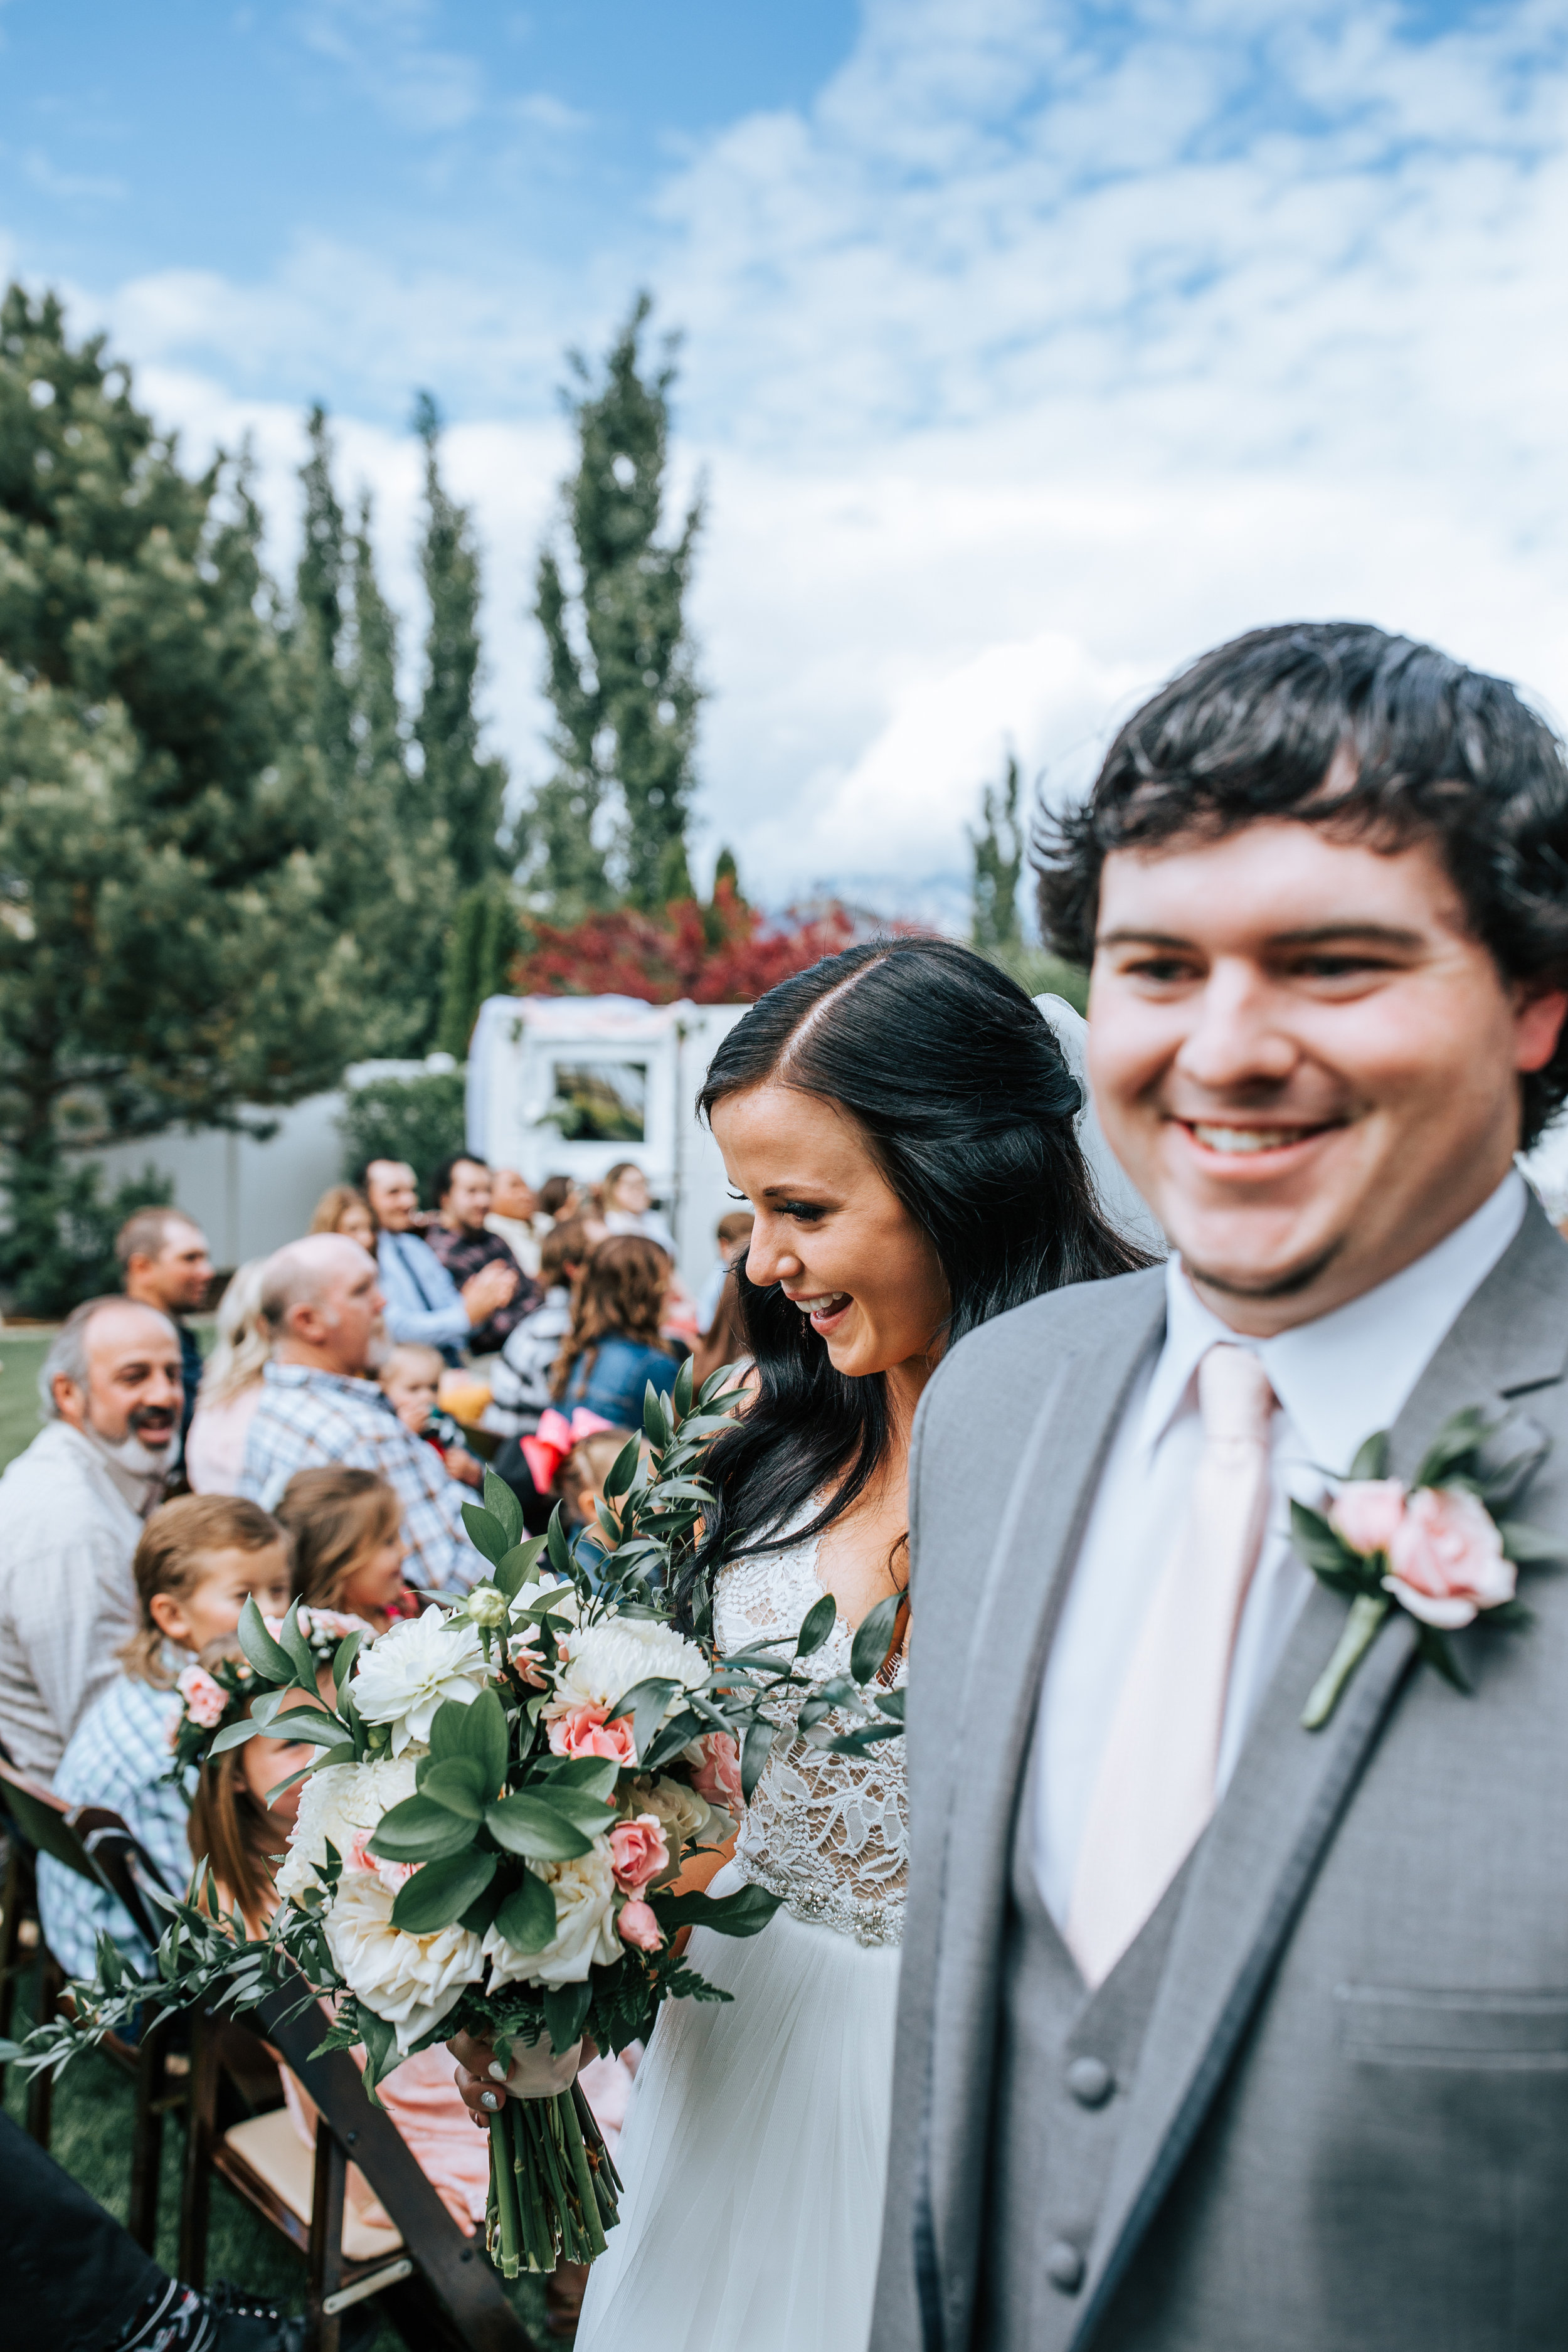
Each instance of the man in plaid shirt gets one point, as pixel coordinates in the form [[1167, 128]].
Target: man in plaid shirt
[[321, 1300], [465, 1245]]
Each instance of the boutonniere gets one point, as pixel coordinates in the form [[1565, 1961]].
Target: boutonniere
[[1435, 1549]]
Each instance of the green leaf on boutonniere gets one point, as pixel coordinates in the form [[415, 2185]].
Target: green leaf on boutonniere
[[1458, 1438], [1530, 1546], [1434, 1645], [1324, 1552], [1367, 1611], [1371, 1458]]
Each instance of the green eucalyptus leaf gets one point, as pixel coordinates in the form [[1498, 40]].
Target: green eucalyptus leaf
[[817, 1625], [503, 1505], [343, 1657], [595, 1776], [623, 1469], [442, 1892], [514, 1572], [646, 1703], [298, 1649], [558, 1545], [744, 1912], [526, 1916], [486, 1533], [580, 1807], [379, 2044], [457, 1782], [419, 1830], [234, 1735], [755, 1754], [526, 1824], [566, 2013], [275, 1664], [873, 1638], [892, 1703]]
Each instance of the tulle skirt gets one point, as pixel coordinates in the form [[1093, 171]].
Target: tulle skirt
[[755, 2154]]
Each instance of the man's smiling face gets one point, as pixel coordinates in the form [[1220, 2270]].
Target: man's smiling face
[[1305, 1061]]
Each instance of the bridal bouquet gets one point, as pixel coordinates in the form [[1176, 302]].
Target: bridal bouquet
[[507, 1787]]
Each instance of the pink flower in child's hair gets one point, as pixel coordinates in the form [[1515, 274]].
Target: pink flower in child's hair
[[1366, 1513], [639, 1851], [584, 1731], [1446, 1558], [204, 1700], [637, 1926], [717, 1779]]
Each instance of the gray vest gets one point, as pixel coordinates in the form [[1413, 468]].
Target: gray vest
[[1065, 2059]]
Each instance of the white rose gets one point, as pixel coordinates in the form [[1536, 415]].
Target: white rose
[[680, 1810], [584, 1891], [410, 1980], [414, 1668], [342, 1805], [603, 1661]]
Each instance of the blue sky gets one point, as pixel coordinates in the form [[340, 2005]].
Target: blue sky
[[1029, 345]]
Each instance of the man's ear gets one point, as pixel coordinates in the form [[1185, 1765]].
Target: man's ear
[[71, 1401], [1538, 1025]]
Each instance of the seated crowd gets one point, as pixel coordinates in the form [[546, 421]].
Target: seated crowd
[[320, 1455]]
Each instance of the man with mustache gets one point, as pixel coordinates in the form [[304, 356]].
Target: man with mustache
[[1233, 2007], [72, 1511]]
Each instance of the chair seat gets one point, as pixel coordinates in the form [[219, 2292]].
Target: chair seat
[[270, 2148]]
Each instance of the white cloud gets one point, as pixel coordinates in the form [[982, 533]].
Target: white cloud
[[1044, 349]]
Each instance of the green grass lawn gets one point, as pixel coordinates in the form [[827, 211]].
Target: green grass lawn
[[20, 1357]]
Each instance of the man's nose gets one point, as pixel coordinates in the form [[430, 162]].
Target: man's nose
[[1235, 1037], [164, 1386]]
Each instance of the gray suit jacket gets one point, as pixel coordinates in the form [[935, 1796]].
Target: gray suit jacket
[[1348, 2122]]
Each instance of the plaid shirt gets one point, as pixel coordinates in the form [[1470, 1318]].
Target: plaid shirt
[[465, 1254], [308, 1417], [117, 1756]]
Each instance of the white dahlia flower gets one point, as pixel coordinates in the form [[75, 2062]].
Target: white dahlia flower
[[604, 1662], [340, 1805], [410, 1980], [413, 1668]]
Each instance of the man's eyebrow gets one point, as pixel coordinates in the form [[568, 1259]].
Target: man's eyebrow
[[1371, 934]]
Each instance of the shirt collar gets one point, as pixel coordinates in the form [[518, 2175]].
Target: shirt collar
[[1345, 1374], [300, 1376]]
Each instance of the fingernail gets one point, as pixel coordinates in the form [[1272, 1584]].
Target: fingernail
[[497, 2071], [488, 2100]]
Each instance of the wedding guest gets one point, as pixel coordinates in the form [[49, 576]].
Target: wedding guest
[[238, 1827], [343, 1209], [164, 1263], [461, 1238], [614, 1346], [346, 1526], [410, 1379], [231, 1387], [627, 1206], [199, 1559], [321, 1303], [513, 1214], [560, 1197], [732, 1235], [423, 1302], [72, 1508], [1204, 2012], [520, 1382]]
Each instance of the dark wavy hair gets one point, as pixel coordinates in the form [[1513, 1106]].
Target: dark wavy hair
[[1426, 750], [966, 1102]]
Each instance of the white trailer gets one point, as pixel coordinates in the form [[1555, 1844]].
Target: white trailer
[[570, 1085]]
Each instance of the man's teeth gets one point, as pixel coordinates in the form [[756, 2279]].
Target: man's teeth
[[1248, 1139]]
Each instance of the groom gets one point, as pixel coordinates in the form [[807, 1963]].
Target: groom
[[1219, 2034]]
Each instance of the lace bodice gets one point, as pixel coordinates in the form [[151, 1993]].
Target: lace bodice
[[830, 1834]]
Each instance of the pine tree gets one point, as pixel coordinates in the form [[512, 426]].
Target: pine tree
[[620, 668], [167, 951], [319, 588], [485, 938], [998, 854], [459, 787]]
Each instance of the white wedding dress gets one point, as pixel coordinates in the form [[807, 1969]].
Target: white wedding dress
[[756, 2142]]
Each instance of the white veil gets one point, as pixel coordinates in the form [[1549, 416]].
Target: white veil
[[1126, 1209]]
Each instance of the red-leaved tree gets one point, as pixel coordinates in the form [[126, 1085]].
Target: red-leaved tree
[[725, 953]]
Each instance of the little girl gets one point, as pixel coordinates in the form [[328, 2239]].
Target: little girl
[[234, 1827], [199, 1559], [347, 1532]]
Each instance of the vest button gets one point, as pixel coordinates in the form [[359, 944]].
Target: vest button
[[1091, 2081], [1064, 2266]]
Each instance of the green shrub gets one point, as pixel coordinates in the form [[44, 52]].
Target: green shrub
[[418, 1119], [58, 1247]]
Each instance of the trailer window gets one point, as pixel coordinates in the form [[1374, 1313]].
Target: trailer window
[[600, 1102]]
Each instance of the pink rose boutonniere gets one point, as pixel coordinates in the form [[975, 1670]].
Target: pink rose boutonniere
[[1433, 1549]]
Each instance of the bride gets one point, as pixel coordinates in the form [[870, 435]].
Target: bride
[[901, 1119]]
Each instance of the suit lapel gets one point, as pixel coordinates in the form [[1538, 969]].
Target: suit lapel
[[1255, 1865], [1036, 1540]]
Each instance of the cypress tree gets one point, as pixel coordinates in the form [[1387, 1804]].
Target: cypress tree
[[465, 791], [620, 669], [998, 854]]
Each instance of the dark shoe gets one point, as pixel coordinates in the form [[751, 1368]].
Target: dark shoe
[[563, 2291], [177, 2319]]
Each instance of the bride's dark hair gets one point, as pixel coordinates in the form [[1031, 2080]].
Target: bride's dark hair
[[967, 1103]]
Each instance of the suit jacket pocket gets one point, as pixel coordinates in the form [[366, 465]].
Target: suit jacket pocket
[[1386, 2025]]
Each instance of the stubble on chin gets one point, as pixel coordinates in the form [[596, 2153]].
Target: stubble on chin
[[1290, 1284]]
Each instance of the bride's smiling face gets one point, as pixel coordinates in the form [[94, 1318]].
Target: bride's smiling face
[[831, 1231]]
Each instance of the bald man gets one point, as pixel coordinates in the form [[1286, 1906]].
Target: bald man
[[321, 1302], [71, 1512]]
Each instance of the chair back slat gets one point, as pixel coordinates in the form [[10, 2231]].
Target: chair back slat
[[39, 1819]]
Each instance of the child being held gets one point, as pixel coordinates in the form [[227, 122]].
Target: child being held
[[410, 1381], [347, 1531], [199, 1559]]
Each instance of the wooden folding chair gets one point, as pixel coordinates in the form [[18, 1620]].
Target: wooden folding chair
[[96, 1845], [437, 2286]]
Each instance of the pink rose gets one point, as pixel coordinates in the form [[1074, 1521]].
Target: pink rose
[[637, 1926], [204, 1700], [1367, 1512], [637, 1852], [582, 1731], [717, 1779], [1446, 1558]]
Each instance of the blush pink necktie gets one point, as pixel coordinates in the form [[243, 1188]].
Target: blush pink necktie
[[1155, 1790]]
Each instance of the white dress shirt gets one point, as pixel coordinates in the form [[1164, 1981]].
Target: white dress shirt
[[1338, 1379]]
